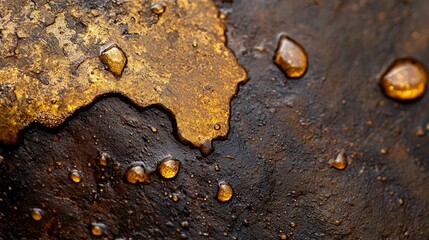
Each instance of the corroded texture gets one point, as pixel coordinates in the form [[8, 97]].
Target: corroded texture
[[282, 134], [49, 65]]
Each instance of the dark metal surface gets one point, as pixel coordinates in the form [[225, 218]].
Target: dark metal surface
[[283, 133]]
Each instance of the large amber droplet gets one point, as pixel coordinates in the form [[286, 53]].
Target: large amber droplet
[[225, 192], [75, 176], [405, 80], [168, 168], [340, 162], [137, 173], [291, 57], [114, 59]]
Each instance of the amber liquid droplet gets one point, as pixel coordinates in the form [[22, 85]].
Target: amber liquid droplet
[[168, 168], [291, 57], [340, 162], [405, 80], [75, 176], [158, 8], [114, 59], [37, 214], [136, 173], [175, 197], [225, 192], [98, 229], [103, 160]]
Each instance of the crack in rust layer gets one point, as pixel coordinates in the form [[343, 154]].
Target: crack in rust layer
[[50, 66]]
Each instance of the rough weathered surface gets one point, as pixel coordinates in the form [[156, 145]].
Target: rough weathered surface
[[50, 65], [283, 133]]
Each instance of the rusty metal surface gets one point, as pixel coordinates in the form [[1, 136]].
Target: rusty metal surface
[[283, 134], [50, 66]]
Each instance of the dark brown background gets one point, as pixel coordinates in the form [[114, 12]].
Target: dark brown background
[[283, 132]]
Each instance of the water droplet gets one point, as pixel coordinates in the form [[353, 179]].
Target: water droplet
[[136, 173], [194, 43], [225, 192], [153, 129], [168, 168], [37, 214], [103, 160], [75, 176], [291, 57], [114, 59], [405, 79], [340, 162], [158, 8], [98, 229], [175, 197], [217, 126]]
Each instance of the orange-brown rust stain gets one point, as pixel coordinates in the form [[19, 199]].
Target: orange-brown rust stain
[[49, 68]]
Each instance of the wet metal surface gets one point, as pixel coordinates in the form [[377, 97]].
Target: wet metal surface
[[276, 157]]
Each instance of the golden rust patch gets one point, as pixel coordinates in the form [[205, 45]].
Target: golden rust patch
[[50, 63]]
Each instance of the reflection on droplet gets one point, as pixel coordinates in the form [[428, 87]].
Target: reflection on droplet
[[291, 57], [340, 162], [75, 176], [169, 167], [98, 229], [405, 79], [103, 160], [158, 8], [136, 173], [217, 126], [225, 192], [37, 214], [114, 59]]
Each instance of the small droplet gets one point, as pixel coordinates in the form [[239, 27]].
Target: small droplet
[[401, 201], [175, 197], [37, 214], [217, 168], [217, 126], [420, 132], [114, 59], [98, 229], [225, 192], [293, 224], [103, 160], [194, 43], [291, 57], [337, 222], [75, 176], [184, 224], [136, 173], [340, 162], [404, 80], [283, 237], [153, 129], [157, 8], [168, 168]]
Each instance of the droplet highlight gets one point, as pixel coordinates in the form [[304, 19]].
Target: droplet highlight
[[340, 162], [405, 80], [136, 173], [291, 57], [37, 214], [75, 176], [114, 59], [225, 192], [168, 168]]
